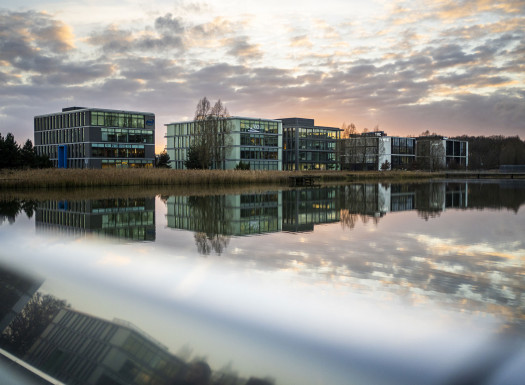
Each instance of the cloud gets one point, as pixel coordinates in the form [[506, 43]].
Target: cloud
[[31, 40], [301, 41], [401, 76], [242, 50]]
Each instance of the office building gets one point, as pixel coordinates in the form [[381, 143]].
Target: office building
[[374, 150], [81, 137], [252, 141], [439, 152], [309, 147]]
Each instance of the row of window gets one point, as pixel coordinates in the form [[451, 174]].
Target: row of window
[[455, 148], [93, 118], [262, 126], [120, 119], [250, 153], [126, 163], [126, 136], [323, 157], [95, 205], [313, 133], [78, 150], [68, 120], [304, 166], [259, 140], [262, 165], [312, 145], [105, 152], [70, 135]]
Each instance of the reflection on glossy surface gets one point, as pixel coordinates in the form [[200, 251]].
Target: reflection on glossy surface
[[354, 284], [128, 218]]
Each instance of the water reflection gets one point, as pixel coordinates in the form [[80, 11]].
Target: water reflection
[[315, 299], [78, 348], [216, 218], [125, 218]]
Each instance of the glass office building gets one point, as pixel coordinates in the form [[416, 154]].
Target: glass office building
[[369, 151], [81, 137], [253, 141], [309, 147], [439, 152]]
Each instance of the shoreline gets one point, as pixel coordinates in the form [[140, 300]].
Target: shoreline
[[89, 178]]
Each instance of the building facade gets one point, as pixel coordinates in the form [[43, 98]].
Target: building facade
[[309, 147], [81, 137], [372, 150], [438, 152], [253, 141]]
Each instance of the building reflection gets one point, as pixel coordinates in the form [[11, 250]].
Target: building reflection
[[75, 347], [125, 218], [216, 218], [78, 348], [16, 289], [299, 210], [305, 208], [230, 215]]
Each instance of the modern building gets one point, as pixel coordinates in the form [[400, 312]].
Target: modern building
[[253, 141], [81, 137], [77, 348], [372, 150], [124, 218], [309, 147], [439, 152], [229, 215]]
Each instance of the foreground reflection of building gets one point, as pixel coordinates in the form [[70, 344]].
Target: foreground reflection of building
[[77, 348], [16, 290], [126, 218]]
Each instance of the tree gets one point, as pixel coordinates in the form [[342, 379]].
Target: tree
[[13, 156], [9, 152], [385, 166], [211, 140], [193, 161], [163, 160], [348, 130], [27, 326], [28, 157], [242, 166]]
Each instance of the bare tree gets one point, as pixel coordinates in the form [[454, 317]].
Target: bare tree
[[212, 140], [348, 130]]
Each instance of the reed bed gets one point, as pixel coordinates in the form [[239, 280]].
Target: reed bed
[[88, 178]]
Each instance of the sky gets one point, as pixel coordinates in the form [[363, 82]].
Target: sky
[[404, 67]]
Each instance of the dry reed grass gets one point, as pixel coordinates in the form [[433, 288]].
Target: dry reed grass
[[88, 178]]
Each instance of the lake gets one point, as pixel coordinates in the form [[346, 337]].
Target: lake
[[346, 284]]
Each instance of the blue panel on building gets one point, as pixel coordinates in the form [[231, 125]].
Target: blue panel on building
[[62, 156]]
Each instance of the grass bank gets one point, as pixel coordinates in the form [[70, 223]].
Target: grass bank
[[87, 178]]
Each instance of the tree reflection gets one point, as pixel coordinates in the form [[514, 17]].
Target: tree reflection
[[27, 326], [214, 223], [208, 242], [10, 209]]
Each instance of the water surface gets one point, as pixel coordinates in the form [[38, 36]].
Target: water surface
[[361, 283]]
